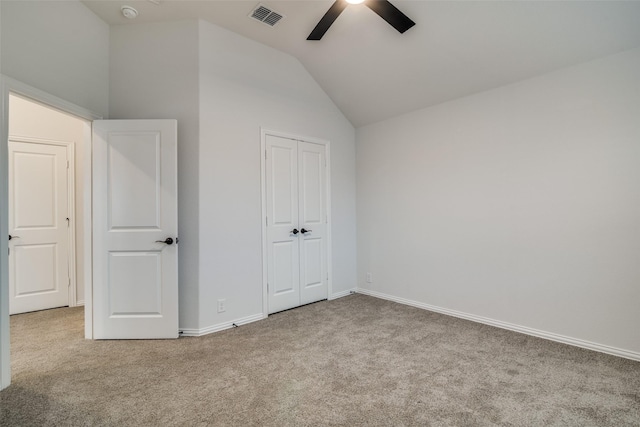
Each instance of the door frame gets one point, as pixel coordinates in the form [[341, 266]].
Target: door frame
[[263, 192], [71, 206], [7, 86]]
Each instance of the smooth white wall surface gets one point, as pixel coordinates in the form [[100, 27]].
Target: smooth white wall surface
[[61, 48], [519, 204], [154, 75], [32, 120], [244, 86]]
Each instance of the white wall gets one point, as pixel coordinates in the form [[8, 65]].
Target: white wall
[[519, 204], [154, 75], [244, 86], [61, 48], [33, 120]]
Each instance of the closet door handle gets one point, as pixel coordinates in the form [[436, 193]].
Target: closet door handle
[[294, 231], [168, 241], [305, 231], [13, 237]]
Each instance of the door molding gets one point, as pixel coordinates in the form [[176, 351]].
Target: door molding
[[71, 206], [263, 192], [7, 86]]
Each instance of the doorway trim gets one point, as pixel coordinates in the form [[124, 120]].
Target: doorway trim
[[263, 192], [71, 207], [7, 86]]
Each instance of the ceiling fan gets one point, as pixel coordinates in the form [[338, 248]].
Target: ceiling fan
[[383, 8]]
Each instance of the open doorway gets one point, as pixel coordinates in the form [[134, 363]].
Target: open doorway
[[151, 136], [48, 158], [82, 230]]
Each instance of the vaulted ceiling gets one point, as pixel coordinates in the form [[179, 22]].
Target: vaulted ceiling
[[457, 48]]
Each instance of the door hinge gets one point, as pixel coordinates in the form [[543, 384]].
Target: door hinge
[[67, 164], [265, 154], [68, 221], [69, 281], [267, 287], [266, 221]]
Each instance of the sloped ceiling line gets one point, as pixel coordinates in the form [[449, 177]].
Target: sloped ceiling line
[[458, 48]]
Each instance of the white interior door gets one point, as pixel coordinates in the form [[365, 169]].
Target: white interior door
[[38, 226], [283, 233], [296, 223], [313, 222], [135, 225]]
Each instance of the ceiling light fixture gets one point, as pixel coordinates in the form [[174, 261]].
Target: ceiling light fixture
[[129, 12], [355, 1]]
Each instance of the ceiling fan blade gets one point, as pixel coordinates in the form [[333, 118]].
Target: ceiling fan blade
[[391, 14], [332, 14]]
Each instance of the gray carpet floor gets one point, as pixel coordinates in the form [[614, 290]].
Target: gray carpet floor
[[354, 361]]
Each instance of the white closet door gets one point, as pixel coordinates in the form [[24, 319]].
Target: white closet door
[[313, 222], [283, 242], [296, 223]]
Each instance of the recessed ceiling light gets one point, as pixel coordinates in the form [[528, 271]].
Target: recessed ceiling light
[[129, 12], [355, 1]]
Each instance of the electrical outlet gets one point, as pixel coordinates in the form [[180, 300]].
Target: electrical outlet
[[222, 305], [369, 278]]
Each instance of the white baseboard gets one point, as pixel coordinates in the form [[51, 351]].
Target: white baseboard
[[79, 303], [221, 326], [627, 354], [342, 294], [187, 332]]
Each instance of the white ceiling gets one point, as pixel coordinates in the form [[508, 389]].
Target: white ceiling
[[457, 48]]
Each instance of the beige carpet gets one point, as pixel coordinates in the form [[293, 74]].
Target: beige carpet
[[353, 361]]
